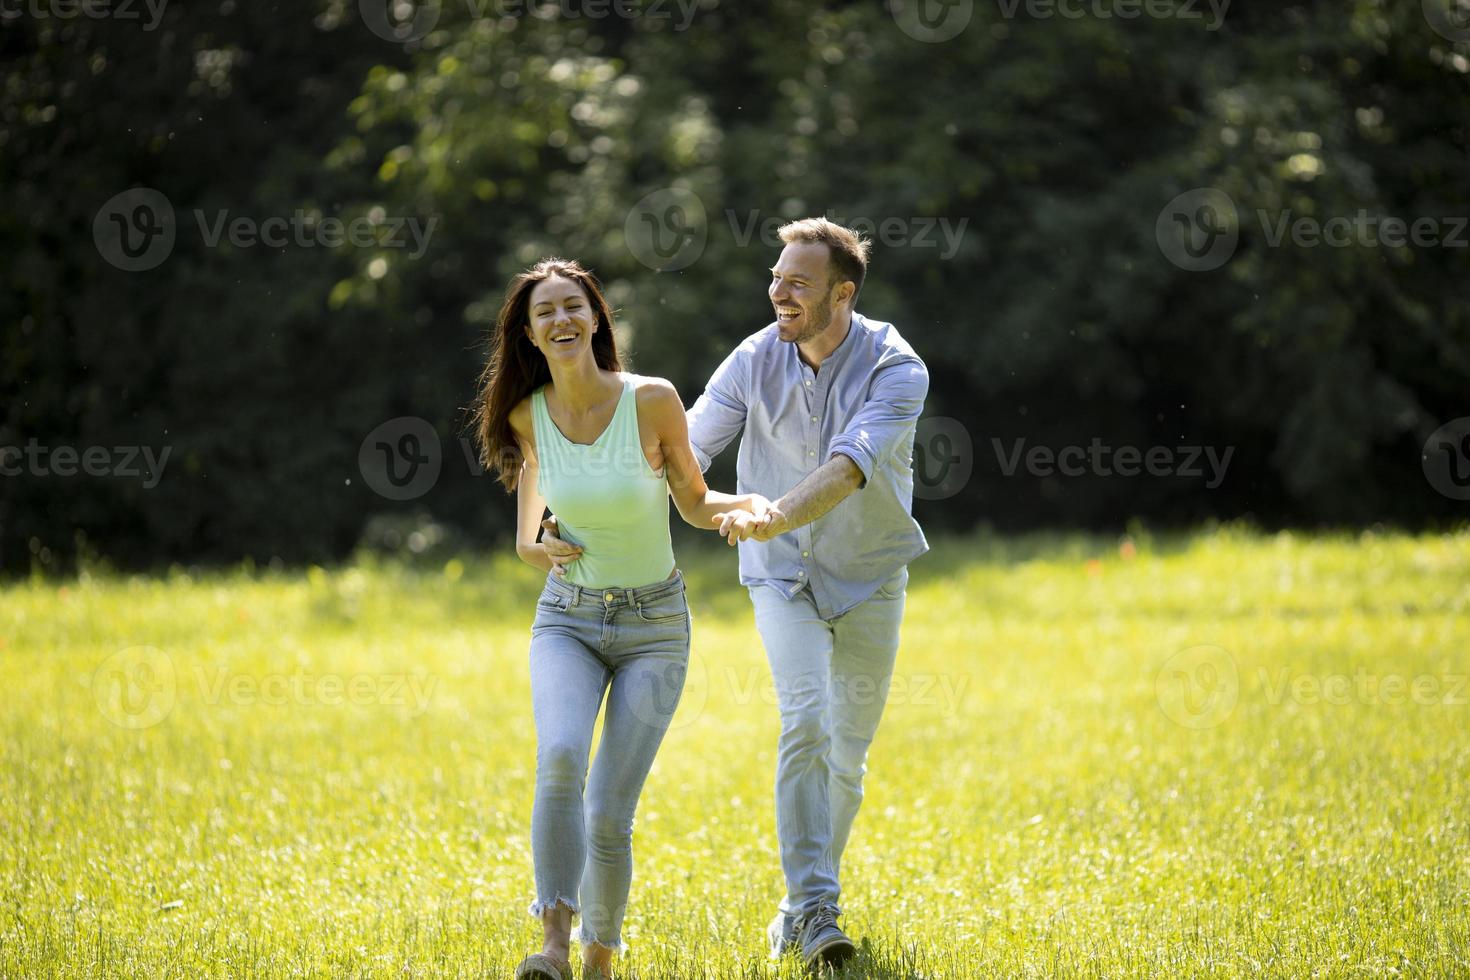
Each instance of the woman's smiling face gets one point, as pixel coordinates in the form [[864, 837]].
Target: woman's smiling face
[[562, 321]]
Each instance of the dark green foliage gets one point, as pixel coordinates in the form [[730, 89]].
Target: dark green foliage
[[1054, 143]]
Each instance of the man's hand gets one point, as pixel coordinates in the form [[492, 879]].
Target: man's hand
[[560, 552], [741, 525], [773, 526]]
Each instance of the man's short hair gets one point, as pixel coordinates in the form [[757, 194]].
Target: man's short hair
[[848, 250]]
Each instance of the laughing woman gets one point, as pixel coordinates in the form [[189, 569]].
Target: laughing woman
[[565, 426]]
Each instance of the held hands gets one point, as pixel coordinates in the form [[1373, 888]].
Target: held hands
[[560, 552], [762, 522]]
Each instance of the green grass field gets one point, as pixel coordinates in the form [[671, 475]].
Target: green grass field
[[1223, 755]]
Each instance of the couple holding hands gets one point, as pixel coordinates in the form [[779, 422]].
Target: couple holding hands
[[829, 402]]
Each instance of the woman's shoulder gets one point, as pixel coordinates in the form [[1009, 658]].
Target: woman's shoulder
[[656, 394], [520, 418], [647, 386]]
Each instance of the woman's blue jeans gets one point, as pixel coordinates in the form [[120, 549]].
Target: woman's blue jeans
[[631, 645]]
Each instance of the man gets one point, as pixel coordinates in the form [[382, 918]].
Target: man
[[829, 402]]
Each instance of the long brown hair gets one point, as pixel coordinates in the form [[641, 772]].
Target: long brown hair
[[516, 368]]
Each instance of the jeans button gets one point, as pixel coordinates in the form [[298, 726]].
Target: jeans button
[[608, 597]]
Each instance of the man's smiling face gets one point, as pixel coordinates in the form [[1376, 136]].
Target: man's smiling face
[[801, 291]]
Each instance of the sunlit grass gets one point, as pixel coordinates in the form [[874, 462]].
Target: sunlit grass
[[1187, 756]]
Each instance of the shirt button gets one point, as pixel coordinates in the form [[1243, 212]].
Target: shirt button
[[800, 574], [806, 554], [811, 452], [808, 384], [814, 418]]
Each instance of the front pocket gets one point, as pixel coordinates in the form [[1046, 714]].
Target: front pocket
[[551, 602], [671, 609], [893, 588]]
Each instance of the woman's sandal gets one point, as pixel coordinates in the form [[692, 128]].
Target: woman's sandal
[[539, 966]]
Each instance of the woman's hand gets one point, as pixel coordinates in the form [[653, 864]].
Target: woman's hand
[[560, 552], [756, 521]]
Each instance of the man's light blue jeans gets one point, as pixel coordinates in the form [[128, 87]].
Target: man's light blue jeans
[[832, 678]]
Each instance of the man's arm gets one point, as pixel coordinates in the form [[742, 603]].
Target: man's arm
[[895, 401], [824, 488], [719, 413]]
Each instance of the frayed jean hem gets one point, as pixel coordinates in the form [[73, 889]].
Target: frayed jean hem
[[539, 907], [581, 936]]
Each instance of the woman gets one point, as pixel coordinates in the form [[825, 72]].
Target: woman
[[564, 425]]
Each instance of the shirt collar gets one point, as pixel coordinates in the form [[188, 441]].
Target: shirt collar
[[840, 353], [845, 348]]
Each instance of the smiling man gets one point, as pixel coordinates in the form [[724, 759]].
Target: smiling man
[[829, 402]]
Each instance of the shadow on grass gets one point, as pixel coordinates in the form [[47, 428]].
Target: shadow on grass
[[873, 961]]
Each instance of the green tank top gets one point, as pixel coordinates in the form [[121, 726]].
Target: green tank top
[[606, 498]]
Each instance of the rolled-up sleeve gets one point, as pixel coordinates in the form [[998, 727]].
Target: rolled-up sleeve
[[719, 414], [888, 417]]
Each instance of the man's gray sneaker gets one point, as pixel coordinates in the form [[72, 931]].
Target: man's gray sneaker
[[822, 942], [781, 933]]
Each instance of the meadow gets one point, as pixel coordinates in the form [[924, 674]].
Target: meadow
[[1220, 754]]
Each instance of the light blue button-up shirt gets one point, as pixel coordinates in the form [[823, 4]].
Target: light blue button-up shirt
[[864, 402]]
